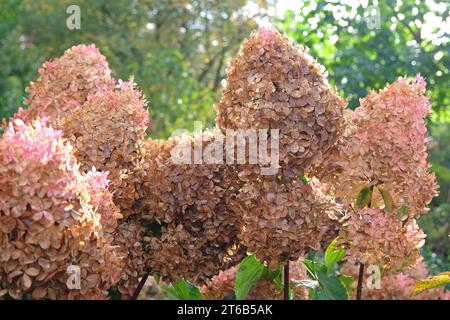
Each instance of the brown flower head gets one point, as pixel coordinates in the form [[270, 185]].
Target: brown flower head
[[273, 84], [190, 201], [283, 221], [66, 82]]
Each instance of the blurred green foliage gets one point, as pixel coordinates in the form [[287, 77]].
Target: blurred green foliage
[[178, 51]]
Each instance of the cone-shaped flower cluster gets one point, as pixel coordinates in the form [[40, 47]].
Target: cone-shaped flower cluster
[[273, 84], [48, 220], [106, 126], [66, 82], [385, 143]]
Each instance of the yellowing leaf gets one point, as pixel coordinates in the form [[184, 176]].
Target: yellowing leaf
[[430, 283], [387, 198]]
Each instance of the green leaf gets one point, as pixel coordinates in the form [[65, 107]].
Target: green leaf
[[347, 281], [271, 274], [333, 254], [115, 294], [387, 198], [230, 297], [312, 294], [332, 286], [183, 290], [249, 272], [402, 211], [304, 180], [314, 267], [364, 197]]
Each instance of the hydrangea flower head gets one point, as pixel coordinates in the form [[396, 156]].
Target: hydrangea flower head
[[48, 220], [273, 84], [386, 144], [376, 237], [66, 82]]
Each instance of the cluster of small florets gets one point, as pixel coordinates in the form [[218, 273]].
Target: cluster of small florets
[[272, 84], [386, 144], [377, 237], [48, 221], [107, 132], [189, 203], [396, 285], [104, 129], [283, 221], [222, 286], [66, 82]]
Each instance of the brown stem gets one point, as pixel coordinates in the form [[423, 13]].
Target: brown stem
[[360, 281], [286, 281], [139, 287]]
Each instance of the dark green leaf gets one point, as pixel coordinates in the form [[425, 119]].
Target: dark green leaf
[[183, 290], [114, 294], [332, 286], [271, 274], [230, 297], [249, 272], [364, 197]]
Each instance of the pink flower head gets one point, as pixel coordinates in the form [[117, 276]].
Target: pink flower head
[[65, 82], [376, 237], [386, 142]]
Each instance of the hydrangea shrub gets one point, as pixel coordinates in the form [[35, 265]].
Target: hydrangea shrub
[[80, 184]]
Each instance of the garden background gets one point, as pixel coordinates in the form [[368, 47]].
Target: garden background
[[178, 52]]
